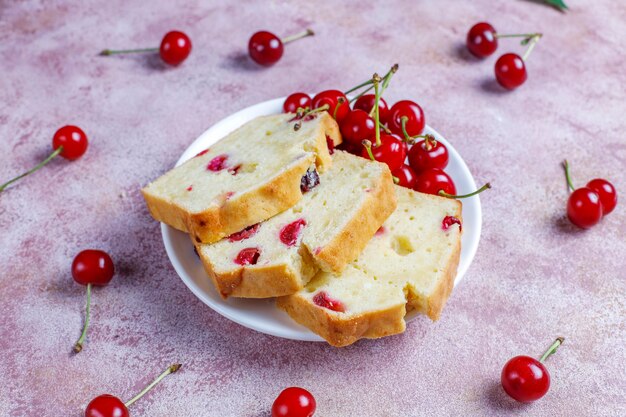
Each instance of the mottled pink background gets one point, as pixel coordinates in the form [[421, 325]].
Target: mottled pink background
[[534, 277]]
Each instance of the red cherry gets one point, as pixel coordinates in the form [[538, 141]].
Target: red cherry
[[323, 300], [584, 208], [391, 151], [175, 47], [433, 180], [218, 163], [449, 221], [289, 233], [510, 71], [366, 103], [525, 379], [415, 121], [482, 40], [246, 233], [73, 140], [607, 193], [296, 101], [248, 256], [428, 153], [294, 402], [265, 48], [94, 267], [358, 126], [338, 105], [406, 176], [106, 405]]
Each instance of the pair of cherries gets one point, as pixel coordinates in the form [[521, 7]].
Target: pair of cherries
[[587, 205], [510, 68]]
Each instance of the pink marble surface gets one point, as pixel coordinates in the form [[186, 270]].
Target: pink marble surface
[[535, 277]]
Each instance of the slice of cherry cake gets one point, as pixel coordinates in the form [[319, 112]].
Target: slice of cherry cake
[[250, 175], [342, 209], [409, 265]]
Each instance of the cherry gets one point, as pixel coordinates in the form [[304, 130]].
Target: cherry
[[510, 71], [428, 153], [248, 256], [606, 192], [358, 126], [406, 118], [391, 151], [296, 101], [107, 405], [434, 180], [338, 105], [309, 180], [584, 207], [294, 402], [218, 163], [323, 300], [246, 233], [266, 49], [482, 40], [366, 103], [175, 48], [406, 176], [91, 267], [449, 221], [289, 233], [69, 141], [526, 379]]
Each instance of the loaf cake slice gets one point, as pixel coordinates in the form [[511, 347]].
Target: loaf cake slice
[[250, 175], [326, 229], [409, 265]]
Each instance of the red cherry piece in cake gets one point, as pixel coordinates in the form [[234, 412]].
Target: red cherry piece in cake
[[106, 405], [296, 101], [338, 105], [607, 193], [584, 208], [433, 180], [366, 103], [406, 176], [290, 233], [245, 233], [427, 154], [248, 256], [234, 170], [358, 126], [93, 266], [415, 120], [294, 402], [323, 300], [73, 140], [265, 48], [330, 144], [175, 47], [510, 71], [218, 163], [190, 188], [309, 180], [449, 221], [481, 40], [202, 152], [380, 231], [391, 151]]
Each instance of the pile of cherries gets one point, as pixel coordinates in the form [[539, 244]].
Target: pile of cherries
[[392, 135]]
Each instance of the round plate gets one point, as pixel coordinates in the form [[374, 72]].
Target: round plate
[[262, 315]]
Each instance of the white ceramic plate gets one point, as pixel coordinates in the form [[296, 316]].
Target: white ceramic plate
[[261, 315]]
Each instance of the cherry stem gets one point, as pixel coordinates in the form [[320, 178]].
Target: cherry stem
[[369, 82], [386, 80], [368, 149], [287, 39], [407, 137], [302, 113], [532, 41], [518, 35], [78, 346], [41, 164], [552, 349], [170, 370], [108, 52], [480, 190], [376, 80], [567, 176]]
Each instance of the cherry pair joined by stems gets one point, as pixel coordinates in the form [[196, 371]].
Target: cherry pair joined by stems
[[70, 142], [107, 405], [294, 402], [587, 205], [175, 48], [266, 49], [510, 68], [526, 379], [91, 267]]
